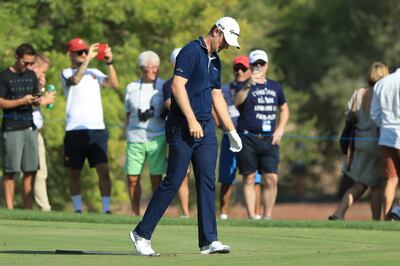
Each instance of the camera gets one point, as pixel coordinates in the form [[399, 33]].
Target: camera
[[145, 115]]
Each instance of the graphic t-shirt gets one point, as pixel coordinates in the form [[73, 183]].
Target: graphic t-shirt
[[228, 91], [15, 86], [258, 111]]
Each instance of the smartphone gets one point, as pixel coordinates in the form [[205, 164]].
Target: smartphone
[[256, 69], [100, 51], [38, 94]]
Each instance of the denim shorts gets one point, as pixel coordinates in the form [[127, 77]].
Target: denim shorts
[[228, 164]]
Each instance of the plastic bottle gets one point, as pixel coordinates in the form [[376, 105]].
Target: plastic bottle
[[50, 88]]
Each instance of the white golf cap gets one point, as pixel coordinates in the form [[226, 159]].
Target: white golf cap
[[174, 54], [258, 55], [231, 30]]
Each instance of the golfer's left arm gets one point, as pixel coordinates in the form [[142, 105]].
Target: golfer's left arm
[[283, 119], [221, 110]]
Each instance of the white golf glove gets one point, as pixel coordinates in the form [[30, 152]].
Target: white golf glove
[[235, 141]]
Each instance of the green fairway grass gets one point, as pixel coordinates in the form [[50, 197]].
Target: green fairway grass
[[24, 235]]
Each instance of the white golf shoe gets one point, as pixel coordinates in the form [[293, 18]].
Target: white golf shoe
[[142, 245], [215, 247]]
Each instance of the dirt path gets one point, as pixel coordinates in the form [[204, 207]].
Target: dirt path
[[287, 211]]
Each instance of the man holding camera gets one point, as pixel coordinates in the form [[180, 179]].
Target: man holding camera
[[18, 94], [144, 106], [86, 135]]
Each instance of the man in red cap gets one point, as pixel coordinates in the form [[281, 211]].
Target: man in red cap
[[227, 159], [86, 135]]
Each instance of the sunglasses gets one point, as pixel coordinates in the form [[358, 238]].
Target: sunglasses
[[81, 52], [240, 67], [259, 62], [28, 63]]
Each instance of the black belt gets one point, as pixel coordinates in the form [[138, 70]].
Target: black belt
[[260, 136]]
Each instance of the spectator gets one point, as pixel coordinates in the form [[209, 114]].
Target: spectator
[[227, 159], [145, 127], [40, 68], [365, 166], [86, 135], [385, 112], [190, 132], [18, 94], [261, 133], [183, 192]]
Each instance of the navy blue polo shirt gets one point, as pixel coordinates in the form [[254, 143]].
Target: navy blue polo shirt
[[167, 89], [258, 111], [203, 73]]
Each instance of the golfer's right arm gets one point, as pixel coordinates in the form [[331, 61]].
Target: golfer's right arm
[[182, 99]]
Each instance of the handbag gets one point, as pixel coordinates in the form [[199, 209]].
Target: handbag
[[346, 140]]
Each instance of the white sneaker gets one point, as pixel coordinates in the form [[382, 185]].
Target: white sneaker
[[223, 216], [257, 217], [395, 213], [215, 247], [142, 245]]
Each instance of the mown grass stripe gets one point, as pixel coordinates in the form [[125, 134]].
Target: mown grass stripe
[[125, 219]]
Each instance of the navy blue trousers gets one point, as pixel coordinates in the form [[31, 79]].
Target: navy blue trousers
[[182, 149]]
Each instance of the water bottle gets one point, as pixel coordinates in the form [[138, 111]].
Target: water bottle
[[50, 88]]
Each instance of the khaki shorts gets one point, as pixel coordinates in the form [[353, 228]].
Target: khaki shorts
[[20, 151], [391, 161]]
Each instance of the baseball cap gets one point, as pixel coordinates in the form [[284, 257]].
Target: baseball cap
[[258, 55], [242, 59], [174, 54], [77, 44], [231, 30]]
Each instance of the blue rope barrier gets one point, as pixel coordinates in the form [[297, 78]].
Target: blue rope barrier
[[286, 136]]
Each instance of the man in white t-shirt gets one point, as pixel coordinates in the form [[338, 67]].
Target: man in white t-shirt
[[385, 112], [144, 106], [86, 135]]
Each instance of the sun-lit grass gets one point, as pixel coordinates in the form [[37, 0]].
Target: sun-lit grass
[[29, 237]]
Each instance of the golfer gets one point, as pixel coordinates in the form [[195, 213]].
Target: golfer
[[190, 133]]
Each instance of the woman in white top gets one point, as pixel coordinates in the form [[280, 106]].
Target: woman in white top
[[365, 166], [144, 106]]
